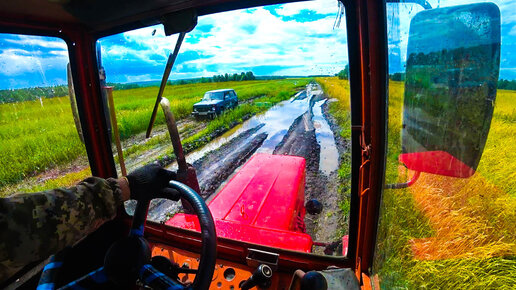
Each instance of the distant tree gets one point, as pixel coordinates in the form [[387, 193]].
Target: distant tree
[[250, 76], [397, 76], [507, 84], [243, 76], [344, 74]]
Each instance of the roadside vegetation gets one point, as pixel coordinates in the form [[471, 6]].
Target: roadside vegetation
[[215, 127], [39, 135], [338, 88], [446, 232]]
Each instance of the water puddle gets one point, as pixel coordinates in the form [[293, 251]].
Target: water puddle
[[276, 120], [329, 155]]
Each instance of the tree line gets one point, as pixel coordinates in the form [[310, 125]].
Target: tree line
[[502, 83], [29, 94], [243, 76]]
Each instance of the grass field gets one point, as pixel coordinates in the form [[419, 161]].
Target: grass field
[[36, 136], [443, 232]]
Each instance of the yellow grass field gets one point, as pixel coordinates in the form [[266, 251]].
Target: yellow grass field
[[444, 232]]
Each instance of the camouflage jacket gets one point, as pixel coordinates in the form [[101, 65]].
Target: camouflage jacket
[[34, 226]]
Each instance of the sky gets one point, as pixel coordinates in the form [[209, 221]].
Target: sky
[[293, 39]]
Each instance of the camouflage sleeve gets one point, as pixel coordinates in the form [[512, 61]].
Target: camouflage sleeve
[[35, 225]]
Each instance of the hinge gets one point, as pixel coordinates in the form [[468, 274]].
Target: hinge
[[366, 151], [366, 148]]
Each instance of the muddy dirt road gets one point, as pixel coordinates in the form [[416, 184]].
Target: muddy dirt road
[[299, 126]]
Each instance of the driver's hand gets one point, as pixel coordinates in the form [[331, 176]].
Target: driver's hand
[[149, 181]]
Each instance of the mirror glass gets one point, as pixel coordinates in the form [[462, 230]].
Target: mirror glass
[[453, 58]]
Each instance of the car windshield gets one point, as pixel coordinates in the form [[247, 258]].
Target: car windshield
[[212, 96]]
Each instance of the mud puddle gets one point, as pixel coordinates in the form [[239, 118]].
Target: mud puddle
[[329, 157], [274, 122]]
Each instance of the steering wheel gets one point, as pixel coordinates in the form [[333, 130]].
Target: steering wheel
[[129, 258]]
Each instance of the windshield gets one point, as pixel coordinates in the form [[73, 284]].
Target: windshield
[[273, 161], [213, 96]]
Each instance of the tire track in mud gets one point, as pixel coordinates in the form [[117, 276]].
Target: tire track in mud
[[212, 170], [218, 165], [301, 140]]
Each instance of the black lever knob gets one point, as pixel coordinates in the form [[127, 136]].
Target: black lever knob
[[260, 277]]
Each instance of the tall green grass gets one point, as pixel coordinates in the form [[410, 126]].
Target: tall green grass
[[35, 136], [38, 135]]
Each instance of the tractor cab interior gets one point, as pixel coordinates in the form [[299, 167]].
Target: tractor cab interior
[[252, 232]]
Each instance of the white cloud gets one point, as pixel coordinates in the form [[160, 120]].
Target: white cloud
[[274, 41], [46, 42], [513, 31], [245, 39], [321, 7], [18, 61], [139, 78]]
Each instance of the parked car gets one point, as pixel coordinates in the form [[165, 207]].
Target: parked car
[[215, 102]]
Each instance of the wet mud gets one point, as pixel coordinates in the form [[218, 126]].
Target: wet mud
[[311, 136], [217, 166]]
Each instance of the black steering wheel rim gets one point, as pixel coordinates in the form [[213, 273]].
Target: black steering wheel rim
[[208, 255]]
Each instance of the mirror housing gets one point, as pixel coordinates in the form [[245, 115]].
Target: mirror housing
[[181, 21], [453, 60]]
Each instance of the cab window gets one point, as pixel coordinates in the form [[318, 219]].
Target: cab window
[[447, 220], [41, 142], [288, 67]]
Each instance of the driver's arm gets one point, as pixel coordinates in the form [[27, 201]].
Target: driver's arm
[[34, 226]]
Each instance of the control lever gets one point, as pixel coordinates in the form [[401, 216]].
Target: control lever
[[261, 277]]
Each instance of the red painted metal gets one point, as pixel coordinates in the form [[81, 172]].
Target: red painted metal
[[345, 244], [90, 105], [262, 204], [436, 162], [370, 21]]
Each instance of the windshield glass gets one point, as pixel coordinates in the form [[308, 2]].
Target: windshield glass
[[273, 159], [448, 215], [212, 96]]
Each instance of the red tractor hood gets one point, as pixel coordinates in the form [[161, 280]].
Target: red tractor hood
[[262, 204]]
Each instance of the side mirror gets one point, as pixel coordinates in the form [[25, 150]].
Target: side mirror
[[453, 60], [181, 21]]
